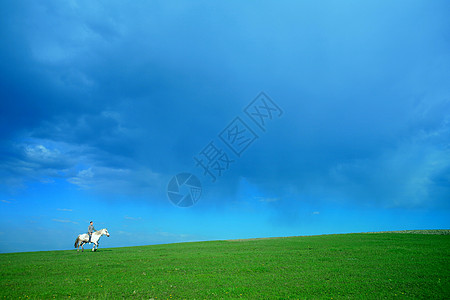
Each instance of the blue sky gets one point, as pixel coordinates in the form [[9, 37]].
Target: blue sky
[[101, 104]]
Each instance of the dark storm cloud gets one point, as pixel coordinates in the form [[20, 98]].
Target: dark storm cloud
[[121, 97]]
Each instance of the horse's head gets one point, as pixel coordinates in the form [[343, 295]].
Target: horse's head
[[106, 232]]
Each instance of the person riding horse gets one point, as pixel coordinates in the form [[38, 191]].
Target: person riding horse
[[91, 229], [86, 238]]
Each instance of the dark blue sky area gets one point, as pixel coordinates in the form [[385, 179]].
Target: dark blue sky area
[[101, 104]]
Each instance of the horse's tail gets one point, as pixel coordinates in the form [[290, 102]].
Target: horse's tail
[[76, 241]]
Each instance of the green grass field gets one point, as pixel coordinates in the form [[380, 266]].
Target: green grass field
[[371, 265]]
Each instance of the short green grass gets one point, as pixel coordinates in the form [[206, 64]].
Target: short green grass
[[375, 266]]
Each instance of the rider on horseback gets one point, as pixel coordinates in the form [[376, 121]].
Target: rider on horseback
[[91, 229]]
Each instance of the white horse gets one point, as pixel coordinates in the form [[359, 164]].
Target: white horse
[[84, 239]]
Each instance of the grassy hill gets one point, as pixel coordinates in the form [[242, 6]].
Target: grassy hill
[[375, 265]]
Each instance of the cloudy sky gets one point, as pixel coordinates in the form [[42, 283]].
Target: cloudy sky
[[103, 103]]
